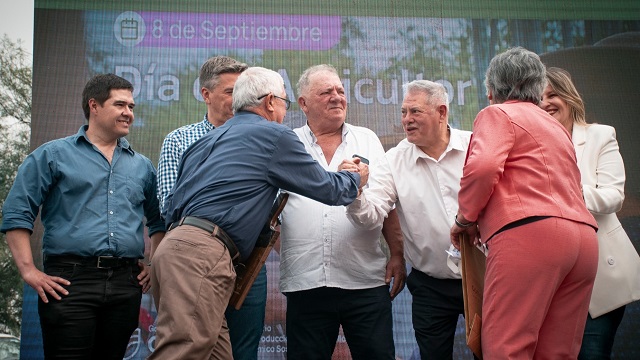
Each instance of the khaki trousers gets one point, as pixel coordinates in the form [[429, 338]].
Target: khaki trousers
[[192, 279]]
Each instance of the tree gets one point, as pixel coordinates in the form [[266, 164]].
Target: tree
[[15, 81], [15, 118]]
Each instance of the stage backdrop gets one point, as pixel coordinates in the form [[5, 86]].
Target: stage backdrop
[[376, 47]]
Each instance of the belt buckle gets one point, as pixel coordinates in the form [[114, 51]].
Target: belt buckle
[[105, 258]]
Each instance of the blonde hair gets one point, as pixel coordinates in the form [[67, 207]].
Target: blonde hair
[[560, 82]]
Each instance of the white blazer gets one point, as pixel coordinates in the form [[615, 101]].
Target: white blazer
[[602, 170]]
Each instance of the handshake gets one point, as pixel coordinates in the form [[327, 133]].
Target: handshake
[[357, 164]]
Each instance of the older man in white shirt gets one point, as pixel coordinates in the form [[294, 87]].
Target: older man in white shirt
[[332, 272], [421, 177]]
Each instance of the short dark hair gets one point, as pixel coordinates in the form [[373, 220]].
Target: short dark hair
[[99, 88], [215, 66]]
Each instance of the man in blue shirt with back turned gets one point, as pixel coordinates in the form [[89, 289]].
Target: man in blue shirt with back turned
[[217, 76], [94, 191], [227, 182]]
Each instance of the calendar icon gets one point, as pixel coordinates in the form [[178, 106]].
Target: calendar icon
[[129, 29]]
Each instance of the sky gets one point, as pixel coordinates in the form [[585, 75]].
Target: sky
[[16, 20]]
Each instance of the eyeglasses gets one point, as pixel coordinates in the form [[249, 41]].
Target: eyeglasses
[[286, 101]]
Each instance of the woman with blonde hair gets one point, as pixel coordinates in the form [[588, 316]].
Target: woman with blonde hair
[[603, 177]]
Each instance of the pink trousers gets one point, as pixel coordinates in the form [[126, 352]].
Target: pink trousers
[[537, 289]]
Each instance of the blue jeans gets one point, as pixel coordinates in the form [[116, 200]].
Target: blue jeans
[[97, 318], [599, 334], [246, 325]]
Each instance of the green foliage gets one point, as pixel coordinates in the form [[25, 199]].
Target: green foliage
[[14, 150], [15, 102], [15, 81]]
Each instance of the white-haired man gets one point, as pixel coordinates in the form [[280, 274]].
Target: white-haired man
[[227, 182], [421, 177], [332, 272], [217, 77]]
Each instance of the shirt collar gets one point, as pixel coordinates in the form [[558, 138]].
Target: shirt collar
[[205, 122], [312, 137], [455, 143], [122, 142]]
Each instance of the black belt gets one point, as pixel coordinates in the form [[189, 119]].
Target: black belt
[[215, 230], [521, 222], [100, 262]]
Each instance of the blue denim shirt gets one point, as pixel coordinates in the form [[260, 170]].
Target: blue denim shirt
[[232, 174], [89, 207]]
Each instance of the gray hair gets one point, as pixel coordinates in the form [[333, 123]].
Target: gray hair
[[215, 66], [252, 84], [516, 74], [435, 92], [304, 82]]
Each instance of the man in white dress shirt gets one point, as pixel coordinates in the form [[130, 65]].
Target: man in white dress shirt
[[332, 272], [421, 178]]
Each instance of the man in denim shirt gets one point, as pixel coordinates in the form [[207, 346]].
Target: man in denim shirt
[[217, 76], [94, 191]]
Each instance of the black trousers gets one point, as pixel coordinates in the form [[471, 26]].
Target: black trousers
[[437, 304], [97, 318], [314, 318]]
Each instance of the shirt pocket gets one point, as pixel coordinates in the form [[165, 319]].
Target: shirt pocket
[[135, 191]]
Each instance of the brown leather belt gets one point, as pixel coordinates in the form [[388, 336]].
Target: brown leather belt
[[215, 230]]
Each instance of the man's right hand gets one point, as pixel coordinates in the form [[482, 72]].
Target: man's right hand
[[356, 165], [363, 170], [44, 284]]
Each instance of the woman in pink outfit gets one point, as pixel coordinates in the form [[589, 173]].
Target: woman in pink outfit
[[521, 190]]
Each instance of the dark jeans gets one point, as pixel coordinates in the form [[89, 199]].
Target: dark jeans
[[97, 318], [246, 325], [314, 318], [437, 304], [599, 335]]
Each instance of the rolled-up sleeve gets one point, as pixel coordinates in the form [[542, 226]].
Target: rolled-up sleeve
[[30, 187], [371, 208]]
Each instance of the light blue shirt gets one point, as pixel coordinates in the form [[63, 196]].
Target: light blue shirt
[[90, 207]]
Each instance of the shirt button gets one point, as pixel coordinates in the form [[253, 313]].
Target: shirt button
[[110, 212], [110, 191], [610, 261], [111, 234]]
